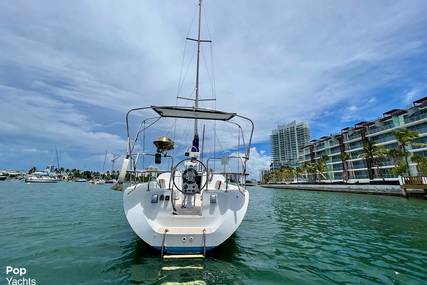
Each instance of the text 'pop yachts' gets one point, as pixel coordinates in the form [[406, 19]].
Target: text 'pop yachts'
[[15, 276]]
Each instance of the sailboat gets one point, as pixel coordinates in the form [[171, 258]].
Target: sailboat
[[46, 176], [189, 208]]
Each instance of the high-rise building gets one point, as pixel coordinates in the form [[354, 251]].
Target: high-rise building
[[345, 149], [287, 142]]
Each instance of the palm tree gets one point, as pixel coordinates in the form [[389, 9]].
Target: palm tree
[[344, 158], [286, 174], [309, 168], [382, 154], [368, 154], [405, 138], [298, 171], [321, 167], [373, 154]]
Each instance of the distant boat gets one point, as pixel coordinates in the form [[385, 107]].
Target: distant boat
[[80, 180], [45, 176], [41, 179], [111, 181], [2, 177], [97, 181]]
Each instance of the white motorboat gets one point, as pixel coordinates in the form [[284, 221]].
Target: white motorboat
[[41, 177], [189, 207]]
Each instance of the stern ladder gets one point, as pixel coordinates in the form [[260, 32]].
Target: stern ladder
[[182, 256]]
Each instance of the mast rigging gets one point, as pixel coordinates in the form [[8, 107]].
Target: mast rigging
[[195, 146]]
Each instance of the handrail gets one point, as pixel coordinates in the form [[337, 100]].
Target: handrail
[[413, 180], [140, 129], [131, 144], [252, 133]]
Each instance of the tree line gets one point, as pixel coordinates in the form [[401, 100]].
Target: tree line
[[77, 173]]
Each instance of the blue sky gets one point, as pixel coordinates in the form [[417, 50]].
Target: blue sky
[[69, 71]]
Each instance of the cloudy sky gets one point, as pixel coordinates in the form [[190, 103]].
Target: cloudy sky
[[69, 70]]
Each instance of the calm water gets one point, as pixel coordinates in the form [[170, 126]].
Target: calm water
[[70, 233]]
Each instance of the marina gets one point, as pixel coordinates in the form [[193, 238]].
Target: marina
[[205, 142], [288, 237]]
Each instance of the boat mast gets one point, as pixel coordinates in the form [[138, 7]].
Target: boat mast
[[196, 102], [57, 158], [105, 159], [195, 146]]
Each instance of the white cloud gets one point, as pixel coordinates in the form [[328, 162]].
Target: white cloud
[[372, 100], [350, 113], [257, 161], [36, 120], [413, 93], [352, 108]]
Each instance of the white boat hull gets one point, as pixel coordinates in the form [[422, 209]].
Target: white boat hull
[[41, 180], [195, 230]]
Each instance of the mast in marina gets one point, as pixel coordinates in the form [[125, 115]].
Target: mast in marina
[[196, 100]]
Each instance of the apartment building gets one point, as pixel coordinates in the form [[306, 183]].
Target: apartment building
[[287, 143], [344, 150]]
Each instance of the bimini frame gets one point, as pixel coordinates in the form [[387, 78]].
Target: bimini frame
[[187, 113]]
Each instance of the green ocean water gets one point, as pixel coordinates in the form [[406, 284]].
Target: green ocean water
[[76, 233]]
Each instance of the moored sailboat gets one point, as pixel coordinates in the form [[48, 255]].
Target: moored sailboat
[[189, 207]]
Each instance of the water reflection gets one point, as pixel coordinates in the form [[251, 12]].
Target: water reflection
[[141, 264]]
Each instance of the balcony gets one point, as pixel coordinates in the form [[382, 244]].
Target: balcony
[[335, 150], [320, 146], [359, 164], [416, 117], [337, 167], [422, 141], [377, 129], [422, 128], [381, 139], [354, 145], [336, 159], [354, 136]]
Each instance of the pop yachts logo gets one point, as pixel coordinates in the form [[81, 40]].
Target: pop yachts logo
[[16, 276]]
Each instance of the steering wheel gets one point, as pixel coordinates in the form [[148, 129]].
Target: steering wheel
[[191, 178]]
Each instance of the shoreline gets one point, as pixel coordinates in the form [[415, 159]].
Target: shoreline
[[387, 190]]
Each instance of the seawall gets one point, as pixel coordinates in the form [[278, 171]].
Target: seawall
[[391, 190]]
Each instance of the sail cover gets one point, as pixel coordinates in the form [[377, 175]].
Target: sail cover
[[192, 113]]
